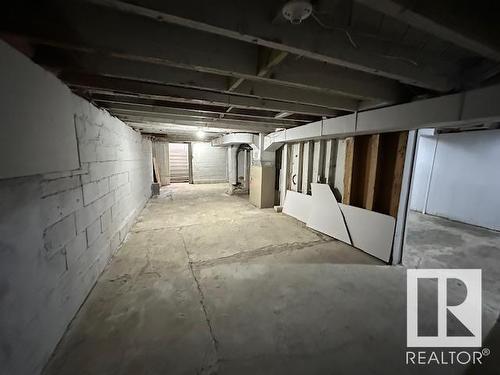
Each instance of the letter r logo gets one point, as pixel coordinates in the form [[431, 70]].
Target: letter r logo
[[468, 312]]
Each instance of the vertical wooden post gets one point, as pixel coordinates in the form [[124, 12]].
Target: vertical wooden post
[[371, 169], [307, 166], [300, 167], [348, 170], [398, 173]]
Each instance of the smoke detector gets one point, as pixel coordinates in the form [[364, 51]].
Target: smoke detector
[[297, 11]]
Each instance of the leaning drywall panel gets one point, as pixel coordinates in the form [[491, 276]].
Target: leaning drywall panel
[[297, 205], [370, 231], [38, 128], [325, 215]]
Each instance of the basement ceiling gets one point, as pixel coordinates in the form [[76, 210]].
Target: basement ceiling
[[174, 67]]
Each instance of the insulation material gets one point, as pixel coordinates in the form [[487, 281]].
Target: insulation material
[[297, 205], [325, 215], [370, 231]]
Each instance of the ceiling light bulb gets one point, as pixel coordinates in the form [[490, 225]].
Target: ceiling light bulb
[[200, 134]]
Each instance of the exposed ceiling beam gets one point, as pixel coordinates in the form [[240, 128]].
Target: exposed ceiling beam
[[130, 39], [308, 75], [245, 127], [120, 109], [157, 106], [327, 46], [182, 129], [430, 17], [118, 68], [153, 91], [198, 115], [282, 115], [267, 60]]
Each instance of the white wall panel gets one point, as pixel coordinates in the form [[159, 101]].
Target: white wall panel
[[37, 125], [209, 163], [465, 180], [423, 164]]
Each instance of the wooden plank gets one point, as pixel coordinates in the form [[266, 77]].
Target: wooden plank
[[371, 169], [390, 172], [398, 173], [300, 167], [348, 170], [157, 172]]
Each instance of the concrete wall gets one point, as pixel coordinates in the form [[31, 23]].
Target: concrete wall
[[209, 163], [58, 230], [458, 177]]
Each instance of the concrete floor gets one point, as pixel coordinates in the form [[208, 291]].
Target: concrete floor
[[208, 284]]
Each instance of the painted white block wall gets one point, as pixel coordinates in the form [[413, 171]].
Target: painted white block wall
[[465, 181], [209, 163], [59, 230]]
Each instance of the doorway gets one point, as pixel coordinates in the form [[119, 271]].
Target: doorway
[[179, 162]]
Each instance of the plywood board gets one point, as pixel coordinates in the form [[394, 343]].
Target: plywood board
[[370, 231], [325, 215], [297, 205]]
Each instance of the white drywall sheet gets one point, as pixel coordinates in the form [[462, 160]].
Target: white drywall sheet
[[370, 231], [325, 215], [297, 205], [38, 127]]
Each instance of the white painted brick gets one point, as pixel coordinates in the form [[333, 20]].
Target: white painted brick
[[54, 267], [122, 192], [75, 172], [50, 187], [75, 248], [99, 249], [106, 153], [57, 206], [106, 221], [104, 169], [117, 212], [118, 180], [59, 234], [88, 150], [93, 232], [95, 190], [88, 214], [115, 242], [86, 130]]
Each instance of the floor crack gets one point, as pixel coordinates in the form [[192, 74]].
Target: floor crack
[[213, 367], [256, 253]]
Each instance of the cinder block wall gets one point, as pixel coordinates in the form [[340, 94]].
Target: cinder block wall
[[59, 230]]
